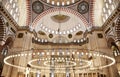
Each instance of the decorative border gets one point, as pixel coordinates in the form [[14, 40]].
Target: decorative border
[[28, 7], [91, 9]]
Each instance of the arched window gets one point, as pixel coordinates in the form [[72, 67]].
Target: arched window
[[11, 1], [115, 49], [4, 51], [108, 7], [12, 7], [11, 12]]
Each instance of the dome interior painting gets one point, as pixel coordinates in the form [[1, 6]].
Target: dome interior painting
[[59, 38]]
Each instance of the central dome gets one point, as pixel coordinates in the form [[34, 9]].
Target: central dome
[[60, 2]]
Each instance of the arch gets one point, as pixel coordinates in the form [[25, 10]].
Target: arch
[[4, 51], [2, 30], [113, 46], [9, 42], [36, 20], [2, 22], [117, 28], [109, 42]]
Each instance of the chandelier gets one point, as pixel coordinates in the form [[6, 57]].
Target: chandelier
[[60, 59]]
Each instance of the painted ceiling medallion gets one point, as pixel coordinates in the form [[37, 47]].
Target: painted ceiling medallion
[[83, 7], [60, 18], [37, 7], [60, 2]]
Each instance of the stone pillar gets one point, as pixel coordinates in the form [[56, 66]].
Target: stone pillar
[[22, 42]]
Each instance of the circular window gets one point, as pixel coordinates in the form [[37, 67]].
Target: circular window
[[50, 35], [70, 36]]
